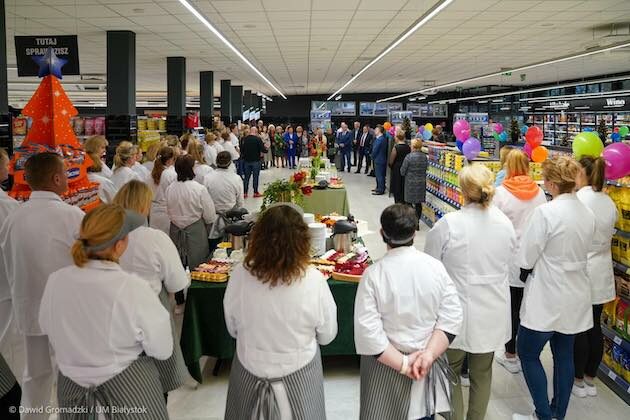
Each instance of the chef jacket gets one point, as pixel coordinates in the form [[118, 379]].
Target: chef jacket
[[476, 246], [225, 188], [35, 241], [201, 171], [555, 244], [229, 147], [106, 189], [149, 164], [402, 299], [152, 255], [210, 154], [142, 171], [187, 202], [518, 211], [106, 171], [599, 264], [99, 319], [123, 175], [159, 218], [7, 206]]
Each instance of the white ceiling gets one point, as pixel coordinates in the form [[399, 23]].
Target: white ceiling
[[314, 46]]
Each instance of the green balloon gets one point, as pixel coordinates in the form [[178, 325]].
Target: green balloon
[[496, 136], [624, 131], [587, 144]]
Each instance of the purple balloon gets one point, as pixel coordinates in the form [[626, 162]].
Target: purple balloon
[[471, 148], [617, 158], [528, 150], [421, 129], [458, 127], [498, 128]]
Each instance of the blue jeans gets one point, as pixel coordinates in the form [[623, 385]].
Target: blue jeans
[[251, 167], [239, 164], [291, 159], [530, 344], [380, 170], [346, 159]]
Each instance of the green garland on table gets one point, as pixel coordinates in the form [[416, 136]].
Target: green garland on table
[[282, 191]]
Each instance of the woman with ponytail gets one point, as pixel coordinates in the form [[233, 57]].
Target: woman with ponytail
[[106, 326], [162, 176], [589, 345], [196, 150], [124, 160], [476, 245]]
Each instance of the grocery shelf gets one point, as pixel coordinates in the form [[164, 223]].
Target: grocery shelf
[[426, 221], [622, 233], [444, 168], [615, 382], [621, 267], [616, 338], [442, 181], [444, 198], [617, 184]]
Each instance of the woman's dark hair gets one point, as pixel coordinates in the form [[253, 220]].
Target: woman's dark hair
[[399, 223], [224, 159], [164, 155], [279, 247], [184, 166], [595, 168]]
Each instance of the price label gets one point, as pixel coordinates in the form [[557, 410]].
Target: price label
[[612, 375], [617, 340]]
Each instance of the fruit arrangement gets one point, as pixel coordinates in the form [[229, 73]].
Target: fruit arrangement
[[213, 271], [345, 267]]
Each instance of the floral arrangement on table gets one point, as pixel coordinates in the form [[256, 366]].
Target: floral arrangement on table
[[292, 190]]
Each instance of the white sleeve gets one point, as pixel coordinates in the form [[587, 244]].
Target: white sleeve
[[533, 241], [450, 313], [437, 239], [369, 335], [171, 269], [44, 307], [231, 300], [240, 202], [327, 329], [153, 322], [207, 205]]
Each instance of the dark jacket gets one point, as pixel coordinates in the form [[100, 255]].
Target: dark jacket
[[344, 140], [367, 146], [379, 151]]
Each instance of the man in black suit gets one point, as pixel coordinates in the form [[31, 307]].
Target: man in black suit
[[364, 148], [356, 135]]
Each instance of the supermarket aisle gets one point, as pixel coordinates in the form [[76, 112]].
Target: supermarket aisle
[[509, 392]]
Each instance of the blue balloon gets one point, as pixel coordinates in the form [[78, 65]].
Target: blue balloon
[[503, 137], [587, 129], [615, 137], [524, 129], [427, 135], [460, 144]]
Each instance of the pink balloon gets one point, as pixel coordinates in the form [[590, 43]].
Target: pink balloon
[[458, 127], [617, 158], [498, 128], [528, 150]]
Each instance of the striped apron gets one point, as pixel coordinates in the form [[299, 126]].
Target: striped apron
[[137, 388], [386, 394], [250, 397], [192, 243], [173, 371], [7, 379]]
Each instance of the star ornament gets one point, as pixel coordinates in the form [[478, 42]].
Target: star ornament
[[49, 63]]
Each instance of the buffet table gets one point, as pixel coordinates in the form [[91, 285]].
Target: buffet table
[[204, 332], [327, 201]]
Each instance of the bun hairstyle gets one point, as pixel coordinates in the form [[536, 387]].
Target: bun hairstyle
[[92, 146], [477, 184], [400, 135], [124, 153], [562, 171], [164, 155], [210, 138], [416, 144], [153, 151], [594, 168], [516, 163], [98, 226]]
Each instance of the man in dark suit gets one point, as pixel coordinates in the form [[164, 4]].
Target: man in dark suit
[[344, 145], [379, 157], [356, 136], [364, 149]]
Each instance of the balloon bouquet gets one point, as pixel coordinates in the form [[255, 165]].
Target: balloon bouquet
[[499, 133], [468, 145], [616, 155], [533, 144]]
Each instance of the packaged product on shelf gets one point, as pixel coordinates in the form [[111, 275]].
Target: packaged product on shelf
[[20, 126], [622, 286], [609, 313], [615, 248], [162, 124], [608, 348], [89, 126], [624, 250], [78, 125], [142, 124], [99, 126], [621, 318], [152, 124]]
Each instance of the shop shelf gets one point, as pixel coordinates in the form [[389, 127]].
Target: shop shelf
[[441, 181], [616, 338], [615, 382], [622, 233], [617, 184], [444, 168], [426, 220], [621, 267], [444, 198]]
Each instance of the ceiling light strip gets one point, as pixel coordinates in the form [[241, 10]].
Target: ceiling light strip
[[499, 73], [430, 14], [219, 35]]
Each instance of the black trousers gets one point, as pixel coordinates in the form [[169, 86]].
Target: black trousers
[[10, 403], [360, 161], [516, 296], [355, 151], [588, 349]]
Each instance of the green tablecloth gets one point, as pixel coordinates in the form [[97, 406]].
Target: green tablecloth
[[327, 201], [204, 332]]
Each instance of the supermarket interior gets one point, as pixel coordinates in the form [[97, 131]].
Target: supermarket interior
[[439, 225]]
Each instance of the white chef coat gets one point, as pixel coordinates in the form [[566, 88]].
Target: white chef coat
[[476, 246], [518, 211], [142, 171], [149, 164], [229, 147], [106, 189], [152, 255], [402, 306], [187, 202], [599, 264], [99, 319], [159, 218], [35, 241], [7, 206], [123, 175], [234, 140], [106, 171], [210, 154], [201, 171], [225, 188], [555, 244]]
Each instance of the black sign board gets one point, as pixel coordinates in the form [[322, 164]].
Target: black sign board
[[64, 46]]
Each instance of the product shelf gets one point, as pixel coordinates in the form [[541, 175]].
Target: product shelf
[[444, 198], [621, 267], [441, 181], [615, 382], [616, 338], [426, 221], [444, 168], [622, 233]]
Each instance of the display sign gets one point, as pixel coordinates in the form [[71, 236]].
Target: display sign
[[374, 109], [246, 115], [366, 109], [64, 47], [397, 117], [428, 110], [320, 119], [339, 108]]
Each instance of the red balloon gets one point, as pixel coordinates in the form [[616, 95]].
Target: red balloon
[[534, 136]]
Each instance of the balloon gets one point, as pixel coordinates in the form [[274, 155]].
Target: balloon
[[587, 144], [496, 136], [523, 130], [615, 137], [463, 135], [498, 128], [540, 154], [587, 130], [421, 129], [387, 125], [534, 136], [471, 148], [392, 131], [623, 131], [528, 150], [428, 126], [460, 144], [458, 127], [616, 129], [427, 135], [617, 159], [503, 137]]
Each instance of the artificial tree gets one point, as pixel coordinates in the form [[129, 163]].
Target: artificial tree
[[602, 130], [514, 131]]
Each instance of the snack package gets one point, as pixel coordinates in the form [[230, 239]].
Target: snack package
[[89, 126], [20, 125], [99, 126], [621, 318], [608, 346], [79, 126]]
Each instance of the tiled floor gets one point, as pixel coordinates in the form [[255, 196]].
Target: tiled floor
[[509, 393]]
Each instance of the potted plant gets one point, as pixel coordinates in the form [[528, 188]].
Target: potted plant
[[286, 191]]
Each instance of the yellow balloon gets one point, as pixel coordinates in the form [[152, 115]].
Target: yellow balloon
[[428, 126]]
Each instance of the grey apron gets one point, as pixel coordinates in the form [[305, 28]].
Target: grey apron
[[137, 387], [250, 396], [173, 372], [7, 379], [386, 394], [192, 243]]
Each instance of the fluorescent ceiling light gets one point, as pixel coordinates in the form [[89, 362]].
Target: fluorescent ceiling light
[[582, 107], [219, 35], [337, 97], [497, 100], [483, 102], [580, 96], [499, 73], [430, 14]]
